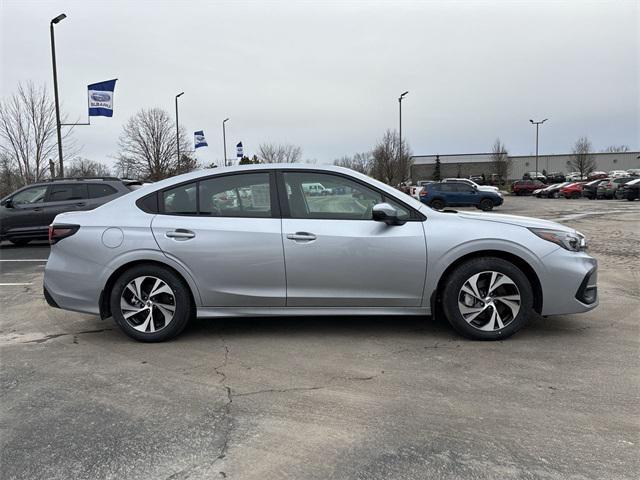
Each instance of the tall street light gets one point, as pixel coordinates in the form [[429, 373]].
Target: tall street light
[[54, 21], [537, 124], [400, 126], [224, 141], [178, 131]]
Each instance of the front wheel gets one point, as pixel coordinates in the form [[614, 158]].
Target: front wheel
[[150, 303], [487, 298], [486, 205]]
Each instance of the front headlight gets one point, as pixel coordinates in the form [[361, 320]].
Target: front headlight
[[573, 241]]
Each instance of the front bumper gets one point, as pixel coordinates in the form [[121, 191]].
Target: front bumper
[[569, 283]]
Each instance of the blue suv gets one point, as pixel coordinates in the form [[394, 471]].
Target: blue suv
[[441, 195]]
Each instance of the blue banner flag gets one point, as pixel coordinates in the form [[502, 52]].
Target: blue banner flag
[[101, 98], [199, 140], [239, 151]]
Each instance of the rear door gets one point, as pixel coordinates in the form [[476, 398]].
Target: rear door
[[64, 197], [336, 255], [226, 230]]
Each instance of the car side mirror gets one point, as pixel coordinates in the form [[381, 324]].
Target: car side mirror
[[383, 212], [8, 203]]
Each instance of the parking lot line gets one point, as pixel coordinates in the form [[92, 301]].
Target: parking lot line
[[15, 284]]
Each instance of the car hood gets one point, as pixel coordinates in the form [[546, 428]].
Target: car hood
[[527, 222], [488, 188]]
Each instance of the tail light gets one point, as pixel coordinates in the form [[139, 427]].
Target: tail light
[[58, 232], [423, 192]]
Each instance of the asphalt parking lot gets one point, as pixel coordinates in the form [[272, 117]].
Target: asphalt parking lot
[[319, 398]]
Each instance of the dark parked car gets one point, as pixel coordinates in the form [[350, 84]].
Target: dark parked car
[[526, 187], [590, 189], [441, 195], [631, 190], [608, 189], [25, 214], [556, 177], [552, 191]]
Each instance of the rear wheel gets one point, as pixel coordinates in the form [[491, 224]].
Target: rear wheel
[[487, 299], [437, 204], [150, 303], [486, 204]]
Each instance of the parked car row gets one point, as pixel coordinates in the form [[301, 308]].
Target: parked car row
[[602, 188], [559, 177]]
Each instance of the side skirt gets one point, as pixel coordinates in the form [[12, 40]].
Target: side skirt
[[213, 312]]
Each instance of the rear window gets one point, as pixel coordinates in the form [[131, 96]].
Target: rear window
[[97, 190]]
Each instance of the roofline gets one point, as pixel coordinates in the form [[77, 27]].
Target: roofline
[[521, 156]]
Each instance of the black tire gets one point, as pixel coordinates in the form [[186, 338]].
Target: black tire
[[575, 196], [457, 279], [19, 242], [486, 205], [182, 303], [437, 204]]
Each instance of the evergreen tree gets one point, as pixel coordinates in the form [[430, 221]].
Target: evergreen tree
[[436, 170]]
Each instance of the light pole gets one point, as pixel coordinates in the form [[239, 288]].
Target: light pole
[[178, 131], [537, 124], [400, 126], [59, 18], [224, 141]]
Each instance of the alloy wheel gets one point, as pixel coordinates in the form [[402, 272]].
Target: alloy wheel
[[148, 304], [489, 301]]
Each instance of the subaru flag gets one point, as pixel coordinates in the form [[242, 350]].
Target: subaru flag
[[101, 98], [239, 151], [199, 140]]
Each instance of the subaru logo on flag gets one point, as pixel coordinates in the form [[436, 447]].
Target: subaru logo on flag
[[239, 150], [199, 140], [101, 98]]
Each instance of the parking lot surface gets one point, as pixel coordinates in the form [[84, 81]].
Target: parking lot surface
[[319, 398]]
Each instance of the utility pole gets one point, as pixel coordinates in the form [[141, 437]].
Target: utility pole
[[224, 141], [178, 131], [54, 21], [400, 127]]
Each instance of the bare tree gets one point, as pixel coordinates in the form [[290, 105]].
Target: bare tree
[[582, 161], [360, 162], [388, 166], [500, 161], [9, 178], [148, 147], [616, 149], [83, 167], [28, 132], [279, 153]]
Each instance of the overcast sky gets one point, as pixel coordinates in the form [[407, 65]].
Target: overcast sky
[[327, 75]]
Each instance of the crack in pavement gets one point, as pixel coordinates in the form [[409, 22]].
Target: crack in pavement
[[56, 335]]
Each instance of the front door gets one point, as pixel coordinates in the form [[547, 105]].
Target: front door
[[226, 231], [336, 255], [26, 216]]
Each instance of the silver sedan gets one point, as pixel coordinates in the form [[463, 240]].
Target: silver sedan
[[251, 240]]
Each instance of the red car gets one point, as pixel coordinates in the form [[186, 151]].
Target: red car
[[573, 190], [526, 187]]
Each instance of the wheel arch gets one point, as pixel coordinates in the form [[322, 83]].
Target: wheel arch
[[519, 262], [105, 295]]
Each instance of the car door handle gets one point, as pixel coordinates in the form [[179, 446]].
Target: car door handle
[[37, 209], [80, 204], [180, 234], [301, 236]]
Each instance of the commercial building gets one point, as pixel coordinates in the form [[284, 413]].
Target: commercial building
[[466, 164]]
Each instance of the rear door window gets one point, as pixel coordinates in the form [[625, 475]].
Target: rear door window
[[180, 200], [67, 192], [242, 195]]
